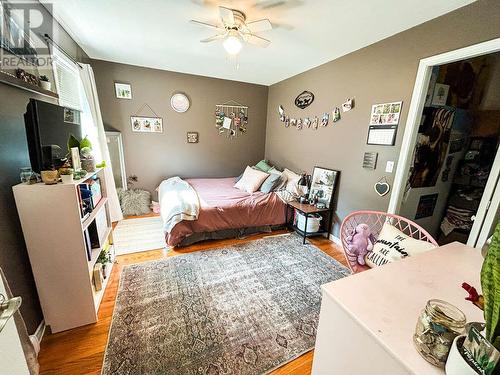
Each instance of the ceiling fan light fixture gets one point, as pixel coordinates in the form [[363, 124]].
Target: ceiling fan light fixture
[[232, 45]]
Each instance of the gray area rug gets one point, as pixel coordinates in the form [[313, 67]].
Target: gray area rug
[[243, 309]]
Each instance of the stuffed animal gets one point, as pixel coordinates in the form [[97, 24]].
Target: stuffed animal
[[360, 242]]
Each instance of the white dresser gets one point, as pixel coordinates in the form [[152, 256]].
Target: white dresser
[[367, 320]]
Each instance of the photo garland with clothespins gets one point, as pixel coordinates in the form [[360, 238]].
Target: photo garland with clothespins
[[146, 124], [317, 121], [231, 118]]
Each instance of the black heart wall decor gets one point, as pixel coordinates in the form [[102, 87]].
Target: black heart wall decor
[[304, 99], [382, 187]]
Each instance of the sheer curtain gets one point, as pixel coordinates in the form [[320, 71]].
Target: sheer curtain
[[90, 90]]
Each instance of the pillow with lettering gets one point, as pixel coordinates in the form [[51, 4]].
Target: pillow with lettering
[[392, 245]]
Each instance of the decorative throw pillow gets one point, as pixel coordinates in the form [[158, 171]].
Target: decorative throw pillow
[[282, 181], [241, 175], [251, 180], [392, 245], [263, 166], [271, 183], [292, 182], [275, 171]]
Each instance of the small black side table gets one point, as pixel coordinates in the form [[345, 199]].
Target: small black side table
[[307, 210]]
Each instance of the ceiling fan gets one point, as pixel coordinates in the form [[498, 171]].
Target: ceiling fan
[[234, 30]]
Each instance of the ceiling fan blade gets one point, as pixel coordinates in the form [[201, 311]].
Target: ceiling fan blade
[[214, 37], [259, 26], [257, 40], [227, 16], [268, 4], [205, 24]]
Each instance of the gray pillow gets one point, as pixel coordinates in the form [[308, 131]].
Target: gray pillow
[[270, 183]]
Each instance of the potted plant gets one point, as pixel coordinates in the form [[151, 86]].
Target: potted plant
[[105, 259], [66, 175], [87, 159], [45, 83], [478, 352]]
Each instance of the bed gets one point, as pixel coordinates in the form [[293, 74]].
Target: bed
[[221, 211]]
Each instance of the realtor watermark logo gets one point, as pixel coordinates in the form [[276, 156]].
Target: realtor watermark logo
[[24, 26]]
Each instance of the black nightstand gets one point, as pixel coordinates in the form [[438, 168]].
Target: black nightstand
[[307, 210]]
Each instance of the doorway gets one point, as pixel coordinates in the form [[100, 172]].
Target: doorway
[[448, 168]]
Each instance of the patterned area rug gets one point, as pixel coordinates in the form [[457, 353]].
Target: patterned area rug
[[141, 234], [243, 309]]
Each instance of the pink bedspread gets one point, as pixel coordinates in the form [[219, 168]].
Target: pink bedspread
[[224, 207]]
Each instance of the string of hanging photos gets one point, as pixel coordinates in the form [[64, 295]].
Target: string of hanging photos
[[231, 118]]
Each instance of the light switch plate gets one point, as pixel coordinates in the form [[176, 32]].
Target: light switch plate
[[389, 166]]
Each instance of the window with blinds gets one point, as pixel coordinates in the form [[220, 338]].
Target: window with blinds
[[67, 81]]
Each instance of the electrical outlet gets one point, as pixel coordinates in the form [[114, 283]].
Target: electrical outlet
[[389, 166]]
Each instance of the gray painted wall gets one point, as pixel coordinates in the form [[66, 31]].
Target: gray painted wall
[[154, 157], [382, 72], [14, 155]]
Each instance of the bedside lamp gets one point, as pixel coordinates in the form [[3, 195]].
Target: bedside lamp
[[304, 183]]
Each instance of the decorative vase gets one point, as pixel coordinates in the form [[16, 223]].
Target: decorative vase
[[456, 364], [88, 164], [49, 177], [67, 178], [45, 85]]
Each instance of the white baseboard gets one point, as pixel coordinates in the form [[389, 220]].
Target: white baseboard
[[36, 338], [335, 239]]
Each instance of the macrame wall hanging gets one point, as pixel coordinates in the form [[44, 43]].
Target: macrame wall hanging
[[231, 119]]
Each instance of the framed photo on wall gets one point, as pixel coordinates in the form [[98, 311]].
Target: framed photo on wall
[[323, 184], [141, 124], [192, 137], [123, 90]]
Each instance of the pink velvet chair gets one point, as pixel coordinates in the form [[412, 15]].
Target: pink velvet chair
[[375, 220]]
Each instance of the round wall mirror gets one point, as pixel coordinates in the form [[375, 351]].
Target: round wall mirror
[[179, 102]]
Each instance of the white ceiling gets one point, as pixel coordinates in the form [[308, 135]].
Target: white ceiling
[[308, 33]]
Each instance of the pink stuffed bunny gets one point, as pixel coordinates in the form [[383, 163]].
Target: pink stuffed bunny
[[360, 242]]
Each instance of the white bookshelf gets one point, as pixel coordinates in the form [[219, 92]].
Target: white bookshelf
[[54, 233]]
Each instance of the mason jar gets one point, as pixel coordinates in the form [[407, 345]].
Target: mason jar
[[26, 175], [437, 326]]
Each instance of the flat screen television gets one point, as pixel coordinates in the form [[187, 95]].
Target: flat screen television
[[48, 127]]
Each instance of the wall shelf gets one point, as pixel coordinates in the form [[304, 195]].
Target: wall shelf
[[19, 83]]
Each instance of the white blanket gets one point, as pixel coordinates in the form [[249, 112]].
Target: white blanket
[[178, 201]]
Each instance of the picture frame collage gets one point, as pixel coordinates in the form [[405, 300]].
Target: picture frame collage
[[386, 113], [144, 124], [384, 120]]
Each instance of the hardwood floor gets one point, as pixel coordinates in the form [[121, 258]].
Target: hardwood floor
[[80, 351]]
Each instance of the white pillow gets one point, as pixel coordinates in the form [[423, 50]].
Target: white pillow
[[292, 182], [393, 245], [251, 180]]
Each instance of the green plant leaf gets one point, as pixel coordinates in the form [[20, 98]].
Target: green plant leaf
[[85, 142], [73, 142], [490, 283]]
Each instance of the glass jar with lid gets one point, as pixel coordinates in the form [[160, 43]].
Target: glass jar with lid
[[437, 326]]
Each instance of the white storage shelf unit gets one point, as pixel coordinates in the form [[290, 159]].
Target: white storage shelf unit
[[54, 233]]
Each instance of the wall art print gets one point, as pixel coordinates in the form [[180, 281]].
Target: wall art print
[[432, 144], [142, 124]]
